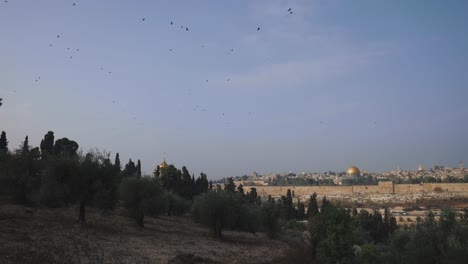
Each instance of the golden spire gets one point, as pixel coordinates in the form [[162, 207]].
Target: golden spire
[[163, 164]]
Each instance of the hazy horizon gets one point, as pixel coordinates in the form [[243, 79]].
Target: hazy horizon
[[374, 84]]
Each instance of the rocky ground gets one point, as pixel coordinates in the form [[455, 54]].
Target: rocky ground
[[31, 235]]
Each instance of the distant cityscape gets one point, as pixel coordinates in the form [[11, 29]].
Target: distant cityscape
[[354, 176]]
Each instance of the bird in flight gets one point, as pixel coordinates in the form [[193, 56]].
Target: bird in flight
[[74, 4], [186, 29], [258, 29], [143, 19], [171, 23], [58, 36], [289, 10], [1, 98]]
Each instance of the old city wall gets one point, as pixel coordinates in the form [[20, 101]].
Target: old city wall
[[408, 188], [303, 190], [446, 187], [381, 188]]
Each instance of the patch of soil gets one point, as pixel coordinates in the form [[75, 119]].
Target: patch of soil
[[32, 235], [191, 259]]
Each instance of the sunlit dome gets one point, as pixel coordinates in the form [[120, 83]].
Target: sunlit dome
[[353, 170], [163, 164]]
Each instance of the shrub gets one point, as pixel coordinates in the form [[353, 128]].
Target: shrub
[[175, 204], [221, 209], [142, 196]]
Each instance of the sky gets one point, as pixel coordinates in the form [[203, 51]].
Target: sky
[[376, 84]]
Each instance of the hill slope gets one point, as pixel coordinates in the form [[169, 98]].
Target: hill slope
[[30, 235]]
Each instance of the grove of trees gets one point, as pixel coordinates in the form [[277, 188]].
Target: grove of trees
[[57, 174]]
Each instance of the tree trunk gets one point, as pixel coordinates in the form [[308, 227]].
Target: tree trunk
[[140, 220], [218, 228], [82, 212]]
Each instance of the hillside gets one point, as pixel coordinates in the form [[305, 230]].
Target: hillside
[[32, 235]]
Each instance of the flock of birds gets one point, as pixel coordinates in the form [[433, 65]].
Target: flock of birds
[[197, 108], [76, 50]]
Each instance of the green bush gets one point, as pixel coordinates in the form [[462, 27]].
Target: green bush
[[175, 204], [223, 209], [142, 196]]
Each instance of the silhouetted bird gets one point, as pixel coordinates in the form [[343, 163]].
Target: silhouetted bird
[[186, 29], [143, 19], [58, 36], [289, 9], [102, 69], [170, 49], [71, 57], [110, 72], [1, 98], [206, 80], [77, 49], [50, 45], [182, 27], [74, 4], [232, 50], [290, 12], [258, 29], [68, 48], [171, 23]]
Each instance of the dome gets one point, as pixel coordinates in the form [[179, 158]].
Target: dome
[[163, 164], [353, 170]]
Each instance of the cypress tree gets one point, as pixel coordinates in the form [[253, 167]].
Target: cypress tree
[[47, 144], [3, 142], [117, 161], [138, 169], [312, 209], [25, 147]]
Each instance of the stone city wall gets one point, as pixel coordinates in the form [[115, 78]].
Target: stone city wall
[[381, 188]]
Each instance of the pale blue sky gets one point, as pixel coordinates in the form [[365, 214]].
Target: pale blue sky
[[371, 83]]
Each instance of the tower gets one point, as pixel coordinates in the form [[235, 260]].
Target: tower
[[420, 168]]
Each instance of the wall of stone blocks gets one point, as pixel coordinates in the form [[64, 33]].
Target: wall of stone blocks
[[381, 188]]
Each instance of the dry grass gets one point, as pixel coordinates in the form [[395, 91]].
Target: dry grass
[[54, 236]]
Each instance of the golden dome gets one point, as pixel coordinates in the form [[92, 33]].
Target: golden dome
[[353, 170], [163, 164]]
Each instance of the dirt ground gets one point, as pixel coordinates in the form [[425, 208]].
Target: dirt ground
[[31, 235]]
